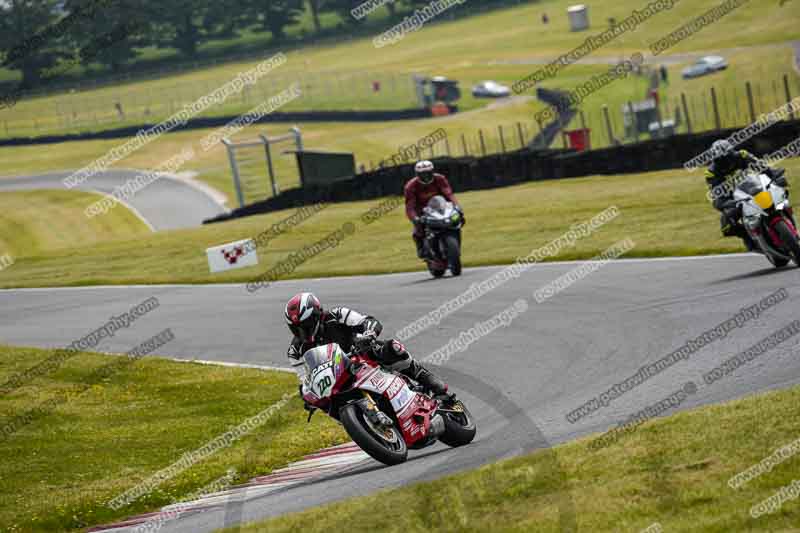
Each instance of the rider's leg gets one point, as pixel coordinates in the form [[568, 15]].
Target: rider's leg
[[748, 241], [419, 240], [730, 226], [395, 356], [726, 225]]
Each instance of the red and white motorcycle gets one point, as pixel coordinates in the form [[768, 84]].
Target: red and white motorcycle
[[384, 413]]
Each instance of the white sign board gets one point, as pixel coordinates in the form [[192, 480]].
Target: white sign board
[[232, 255]]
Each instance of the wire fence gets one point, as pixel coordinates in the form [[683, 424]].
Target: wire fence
[[118, 107], [711, 110]]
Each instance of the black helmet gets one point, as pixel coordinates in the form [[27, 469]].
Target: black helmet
[[303, 315], [723, 155]]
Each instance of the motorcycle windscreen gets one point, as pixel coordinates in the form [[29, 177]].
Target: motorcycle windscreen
[[437, 204], [319, 368], [751, 185], [318, 356]]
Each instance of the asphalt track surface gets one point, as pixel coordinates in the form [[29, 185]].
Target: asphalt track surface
[[519, 381], [164, 204]]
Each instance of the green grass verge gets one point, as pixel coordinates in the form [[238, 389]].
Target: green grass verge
[[59, 471], [673, 471], [33, 222], [665, 213]]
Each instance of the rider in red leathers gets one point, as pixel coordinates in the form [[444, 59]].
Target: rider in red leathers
[[312, 327], [418, 191]]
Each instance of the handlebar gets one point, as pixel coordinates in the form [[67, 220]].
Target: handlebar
[[362, 343]]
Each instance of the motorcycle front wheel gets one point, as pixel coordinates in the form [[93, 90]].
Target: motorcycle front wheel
[[382, 444], [453, 254], [789, 239]]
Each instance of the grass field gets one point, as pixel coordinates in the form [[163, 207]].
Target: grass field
[[26, 232], [373, 142], [369, 142], [665, 213], [466, 49], [109, 435], [672, 471]]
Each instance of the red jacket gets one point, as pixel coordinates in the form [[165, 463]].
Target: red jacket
[[418, 194]]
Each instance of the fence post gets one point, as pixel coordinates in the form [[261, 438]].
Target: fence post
[[686, 113], [634, 122], [235, 170], [717, 123], [788, 95], [502, 140], [483, 144], [609, 129], [464, 145], [270, 168], [750, 103], [447, 145], [521, 138]]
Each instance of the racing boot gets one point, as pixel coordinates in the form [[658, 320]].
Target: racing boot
[[746, 239], [748, 242], [422, 250], [429, 382]]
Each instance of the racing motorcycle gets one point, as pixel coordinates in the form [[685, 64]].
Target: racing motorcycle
[[442, 224], [768, 217], [384, 413]]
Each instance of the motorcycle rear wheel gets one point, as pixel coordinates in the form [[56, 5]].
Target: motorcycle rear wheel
[[459, 429], [435, 272], [378, 448], [789, 239]]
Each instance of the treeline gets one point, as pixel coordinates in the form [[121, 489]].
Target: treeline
[[37, 36]]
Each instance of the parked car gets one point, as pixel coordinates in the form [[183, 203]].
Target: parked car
[[705, 65], [490, 89]]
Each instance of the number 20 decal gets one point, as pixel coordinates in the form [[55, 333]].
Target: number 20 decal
[[324, 383]]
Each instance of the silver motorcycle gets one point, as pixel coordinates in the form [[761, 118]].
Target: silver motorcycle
[[768, 217]]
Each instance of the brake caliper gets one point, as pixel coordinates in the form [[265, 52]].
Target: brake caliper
[[371, 411]]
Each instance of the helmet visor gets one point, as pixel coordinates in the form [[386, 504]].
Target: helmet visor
[[307, 330], [426, 177]]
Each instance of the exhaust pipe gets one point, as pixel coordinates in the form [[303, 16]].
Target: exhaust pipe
[[437, 425]]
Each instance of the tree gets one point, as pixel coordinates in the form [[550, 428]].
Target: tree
[[344, 9], [31, 40], [316, 6], [275, 15], [185, 24], [111, 37]]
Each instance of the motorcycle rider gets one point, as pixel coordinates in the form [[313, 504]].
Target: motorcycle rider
[[312, 326], [726, 163], [418, 191]]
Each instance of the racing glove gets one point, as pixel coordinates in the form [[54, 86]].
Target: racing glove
[[293, 353], [461, 212], [372, 328], [307, 406]]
